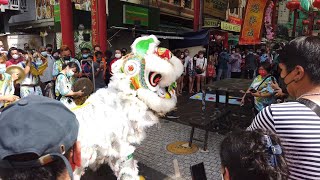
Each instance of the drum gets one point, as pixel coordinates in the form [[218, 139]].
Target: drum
[[86, 85]]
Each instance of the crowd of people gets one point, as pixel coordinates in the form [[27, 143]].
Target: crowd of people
[[281, 143], [53, 73]]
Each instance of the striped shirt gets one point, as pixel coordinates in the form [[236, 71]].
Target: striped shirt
[[298, 128]]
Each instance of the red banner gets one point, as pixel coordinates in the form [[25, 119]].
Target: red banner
[[252, 24], [4, 2], [234, 20], [94, 22]]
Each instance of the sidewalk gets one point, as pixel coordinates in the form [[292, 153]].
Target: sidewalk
[[152, 152]]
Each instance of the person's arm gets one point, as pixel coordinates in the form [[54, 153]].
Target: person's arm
[[64, 88], [264, 120]]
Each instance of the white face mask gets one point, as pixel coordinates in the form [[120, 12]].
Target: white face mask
[[3, 68], [200, 56], [195, 58], [1, 48], [233, 52], [15, 56], [117, 55]]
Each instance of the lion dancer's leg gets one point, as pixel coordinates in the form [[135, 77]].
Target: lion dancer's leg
[[124, 166]]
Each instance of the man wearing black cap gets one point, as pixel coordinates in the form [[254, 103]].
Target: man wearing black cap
[[38, 140]]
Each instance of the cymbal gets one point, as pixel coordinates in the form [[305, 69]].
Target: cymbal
[[84, 84], [16, 69]]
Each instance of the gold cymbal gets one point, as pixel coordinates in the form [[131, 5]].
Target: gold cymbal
[[16, 69]]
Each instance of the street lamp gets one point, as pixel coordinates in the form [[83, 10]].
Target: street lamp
[[294, 5]]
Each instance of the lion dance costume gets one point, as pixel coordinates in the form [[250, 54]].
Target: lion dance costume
[[113, 120]]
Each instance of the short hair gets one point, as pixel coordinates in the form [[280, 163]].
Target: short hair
[[201, 52], [266, 66], [3, 56], [49, 45], [64, 48], [109, 53], [303, 51], [98, 53], [97, 45], [85, 49], [50, 171], [245, 155]]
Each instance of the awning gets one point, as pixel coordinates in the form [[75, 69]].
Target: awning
[[165, 37], [200, 38]]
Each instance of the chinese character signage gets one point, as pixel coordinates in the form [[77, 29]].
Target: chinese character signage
[[94, 22], [230, 27], [252, 22], [235, 20], [216, 8]]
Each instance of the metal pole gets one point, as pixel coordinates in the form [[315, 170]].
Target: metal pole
[[295, 17]]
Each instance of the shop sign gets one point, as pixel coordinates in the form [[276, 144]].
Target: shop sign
[[235, 20], [135, 14], [252, 23], [84, 5], [209, 22], [216, 8], [230, 27]]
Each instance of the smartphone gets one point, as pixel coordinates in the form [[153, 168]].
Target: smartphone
[[253, 90], [273, 79]]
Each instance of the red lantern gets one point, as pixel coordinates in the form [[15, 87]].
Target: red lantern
[[293, 5], [318, 22], [316, 4], [305, 22]]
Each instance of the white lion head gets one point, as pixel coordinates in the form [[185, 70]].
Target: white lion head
[[149, 72]]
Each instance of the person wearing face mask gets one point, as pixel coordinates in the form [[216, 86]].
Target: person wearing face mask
[[47, 77], [6, 83], [297, 122], [49, 48], [190, 67], [117, 56], [181, 78], [64, 86], [261, 88], [201, 64], [14, 53], [31, 84], [65, 59], [100, 68], [253, 155], [235, 62]]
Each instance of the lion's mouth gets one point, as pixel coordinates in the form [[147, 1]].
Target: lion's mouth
[[154, 79]]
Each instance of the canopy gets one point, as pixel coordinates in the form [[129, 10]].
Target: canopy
[[191, 39]]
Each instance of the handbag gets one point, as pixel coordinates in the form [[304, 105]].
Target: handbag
[[199, 70], [310, 104]]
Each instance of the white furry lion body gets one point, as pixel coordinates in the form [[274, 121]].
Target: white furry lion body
[[113, 120]]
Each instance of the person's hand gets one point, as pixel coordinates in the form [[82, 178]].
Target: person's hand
[[11, 98], [242, 102], [14, 76], [79, 93], [279, 93], [256, 94], [275, 85]]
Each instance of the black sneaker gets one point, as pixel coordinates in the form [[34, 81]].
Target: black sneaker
[[172, 115]]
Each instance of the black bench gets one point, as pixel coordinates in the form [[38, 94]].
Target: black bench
[[207, 121]]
